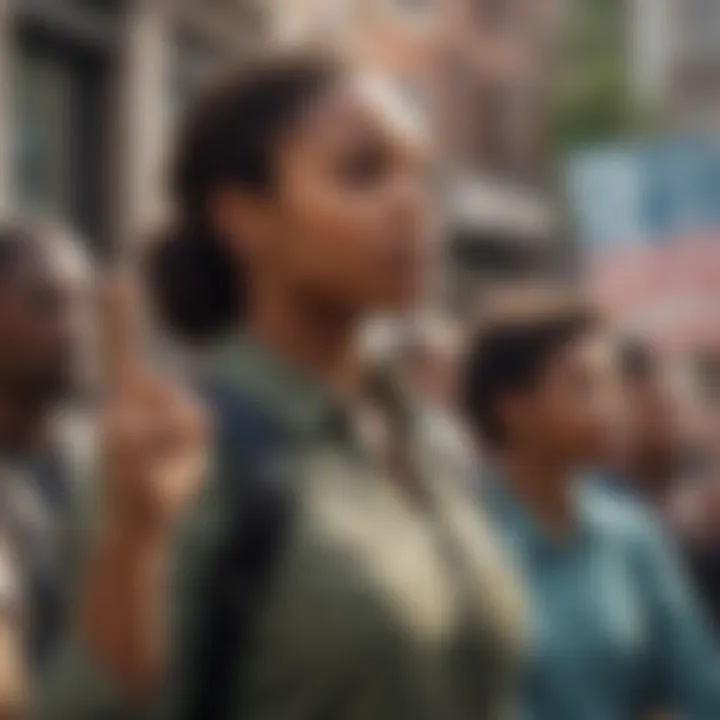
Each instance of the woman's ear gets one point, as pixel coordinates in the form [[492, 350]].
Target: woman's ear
[[242, 220]]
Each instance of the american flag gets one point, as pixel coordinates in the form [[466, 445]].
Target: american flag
[[669, 293]]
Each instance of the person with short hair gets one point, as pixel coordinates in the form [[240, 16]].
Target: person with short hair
[[615, 631], [43, 436]]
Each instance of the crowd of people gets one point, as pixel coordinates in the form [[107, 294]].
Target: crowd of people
[[507, 521]]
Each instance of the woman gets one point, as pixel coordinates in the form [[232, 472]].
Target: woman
[[323, 573], [614, 630]]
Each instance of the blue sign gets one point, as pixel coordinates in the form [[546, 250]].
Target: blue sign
[[643, 193]]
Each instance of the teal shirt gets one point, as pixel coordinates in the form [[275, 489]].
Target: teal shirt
[[614, 629]]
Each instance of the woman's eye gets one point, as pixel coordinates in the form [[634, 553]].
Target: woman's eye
[[365, 168]]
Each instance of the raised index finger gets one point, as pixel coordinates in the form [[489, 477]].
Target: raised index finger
[[122, 331]]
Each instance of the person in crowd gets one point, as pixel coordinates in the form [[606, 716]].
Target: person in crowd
[[667, 463], [42, 278], [652, 456], [696, 513], [695, 507], [318, 574], [615, 631]]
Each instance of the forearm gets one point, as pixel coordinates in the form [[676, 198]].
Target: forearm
[[13, 671], [122, 612]]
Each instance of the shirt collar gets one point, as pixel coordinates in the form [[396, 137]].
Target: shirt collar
[[519, 525], [298, 401]]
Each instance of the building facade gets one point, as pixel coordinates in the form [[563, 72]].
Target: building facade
[[497, 67], [475, 71], [89, 94], [652, 25], [676, 60], [695, 80], [90, 91]]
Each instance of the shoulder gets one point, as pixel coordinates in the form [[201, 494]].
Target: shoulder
[[623, 518], [246, 487]]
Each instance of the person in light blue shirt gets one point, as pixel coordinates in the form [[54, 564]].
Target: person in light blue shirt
[[614, 630]]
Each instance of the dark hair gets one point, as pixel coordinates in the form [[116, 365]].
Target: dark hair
[[510, 353], [229, 139], [16, 242]]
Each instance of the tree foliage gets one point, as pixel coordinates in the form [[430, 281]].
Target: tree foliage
[[592, 97]]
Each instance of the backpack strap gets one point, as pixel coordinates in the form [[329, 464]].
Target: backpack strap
[[246, 438]]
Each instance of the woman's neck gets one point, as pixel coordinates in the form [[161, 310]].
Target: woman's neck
[[543, 487], [320, 341]]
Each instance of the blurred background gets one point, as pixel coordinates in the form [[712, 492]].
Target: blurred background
[[578, 141], [577, 137]]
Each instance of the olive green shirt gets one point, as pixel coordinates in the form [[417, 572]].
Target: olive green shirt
[[384, 603]]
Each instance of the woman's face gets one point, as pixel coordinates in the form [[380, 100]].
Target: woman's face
[[347, 225]]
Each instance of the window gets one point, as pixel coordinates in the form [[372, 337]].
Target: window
[[59, 143], [503, 132], [43, 122], [194, 63]]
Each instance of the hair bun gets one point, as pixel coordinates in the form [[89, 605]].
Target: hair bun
[[193, 283]]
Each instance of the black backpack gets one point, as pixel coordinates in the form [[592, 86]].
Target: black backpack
[[240, 577]]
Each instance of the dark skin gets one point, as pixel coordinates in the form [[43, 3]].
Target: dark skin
[[342, 235], [553, 428], [338, 238], [36, 339]]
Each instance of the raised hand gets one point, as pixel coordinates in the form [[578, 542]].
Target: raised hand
[[153, 434], [153, 450]]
